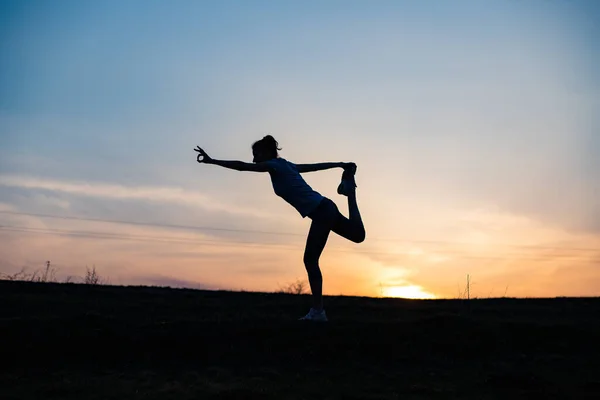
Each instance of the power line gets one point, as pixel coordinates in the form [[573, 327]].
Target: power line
[[108, 235], [191, 241], [160, 225], [210, 228]]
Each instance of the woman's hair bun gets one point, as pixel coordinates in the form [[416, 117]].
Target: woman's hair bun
[[271, 142], [267, 144]]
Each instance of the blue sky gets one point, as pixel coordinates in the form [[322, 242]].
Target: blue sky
[[472, 122]]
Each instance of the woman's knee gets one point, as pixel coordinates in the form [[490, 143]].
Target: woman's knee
[[359, 235], [313, 270]]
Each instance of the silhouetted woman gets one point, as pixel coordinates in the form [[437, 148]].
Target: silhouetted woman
[[325, 216]]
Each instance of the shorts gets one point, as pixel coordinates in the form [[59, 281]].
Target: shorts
[[326, 212]]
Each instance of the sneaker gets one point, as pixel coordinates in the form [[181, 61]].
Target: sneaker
[[347, 184], [315, 315]]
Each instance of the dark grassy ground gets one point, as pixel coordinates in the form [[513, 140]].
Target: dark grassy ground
[[67, 341]]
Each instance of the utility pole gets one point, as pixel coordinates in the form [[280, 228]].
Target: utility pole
[[47, 269], [468, 288]]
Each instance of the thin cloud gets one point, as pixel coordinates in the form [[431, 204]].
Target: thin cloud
[[147, 193]]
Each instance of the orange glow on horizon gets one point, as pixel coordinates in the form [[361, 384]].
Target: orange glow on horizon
[[408, 292]]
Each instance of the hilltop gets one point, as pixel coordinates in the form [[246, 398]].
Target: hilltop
[[75, 341]]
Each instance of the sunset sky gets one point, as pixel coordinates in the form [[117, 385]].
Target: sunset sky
[[475, 126]]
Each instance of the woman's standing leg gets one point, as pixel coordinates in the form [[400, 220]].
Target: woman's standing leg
[[315, 243]]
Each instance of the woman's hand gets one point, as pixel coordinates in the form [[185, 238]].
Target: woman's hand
[[205, 157], [349, 166]]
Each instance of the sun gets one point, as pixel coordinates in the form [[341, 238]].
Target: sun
[[407, 292]]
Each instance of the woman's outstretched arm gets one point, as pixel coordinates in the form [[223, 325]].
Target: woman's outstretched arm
[[236, 165], [319, 166], [240, 165]]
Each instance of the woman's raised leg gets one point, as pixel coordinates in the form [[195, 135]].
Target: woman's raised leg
[[350, 228]]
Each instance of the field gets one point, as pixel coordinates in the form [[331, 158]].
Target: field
[[74, 341]]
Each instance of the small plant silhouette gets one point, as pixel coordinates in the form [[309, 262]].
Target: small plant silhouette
[[297, 287], [48, 274], [92, 277]]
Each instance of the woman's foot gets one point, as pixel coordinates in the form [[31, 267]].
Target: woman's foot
[[315, 315], [348, 184]]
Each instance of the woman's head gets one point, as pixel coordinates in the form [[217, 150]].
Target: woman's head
[[265, 149]]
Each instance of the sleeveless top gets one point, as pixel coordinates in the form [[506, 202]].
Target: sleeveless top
[[290, 186]]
